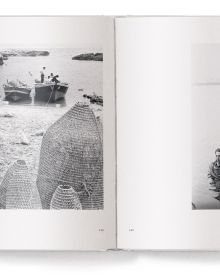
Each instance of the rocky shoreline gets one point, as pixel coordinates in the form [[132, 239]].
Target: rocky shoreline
[[8, 53], [1, 60], [89, 57]]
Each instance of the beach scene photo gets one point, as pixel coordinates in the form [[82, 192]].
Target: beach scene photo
[[206, 126], [51, 116]]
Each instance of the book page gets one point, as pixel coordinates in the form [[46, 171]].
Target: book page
[[168, 132], [57, 131]]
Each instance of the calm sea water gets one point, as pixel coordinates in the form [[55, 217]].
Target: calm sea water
[[86, 75]]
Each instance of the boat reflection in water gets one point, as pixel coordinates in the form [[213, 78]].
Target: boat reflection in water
[[50, 92]]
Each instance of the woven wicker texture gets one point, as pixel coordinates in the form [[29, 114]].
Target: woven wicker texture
[[72, 154], [100, 127], [16, 190], [65, 197], [3, 188]]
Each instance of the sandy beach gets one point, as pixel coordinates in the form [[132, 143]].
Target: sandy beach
[[21, 132]]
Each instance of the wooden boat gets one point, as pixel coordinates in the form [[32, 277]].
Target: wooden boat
[[16, 92], [50, 92]]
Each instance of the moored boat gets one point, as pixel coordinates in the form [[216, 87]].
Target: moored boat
[[16, 91], [50, 92]]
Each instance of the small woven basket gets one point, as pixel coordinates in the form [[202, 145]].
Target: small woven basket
[[16, 190], [65, 197]]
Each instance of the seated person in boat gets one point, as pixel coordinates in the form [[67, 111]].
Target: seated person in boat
[[214, 169], [55, 80]]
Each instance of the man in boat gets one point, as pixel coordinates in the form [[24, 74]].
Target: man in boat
[[55, 80], [214, 170], [42, 74]]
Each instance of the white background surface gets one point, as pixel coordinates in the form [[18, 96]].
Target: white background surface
[[154, 102], [109, 265], [154, 135]]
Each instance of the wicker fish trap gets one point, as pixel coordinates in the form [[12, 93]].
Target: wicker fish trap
[[72, 154], [65, 197], [100, 127], [16, 190]]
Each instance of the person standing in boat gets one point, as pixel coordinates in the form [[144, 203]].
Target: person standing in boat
[[42, 74]]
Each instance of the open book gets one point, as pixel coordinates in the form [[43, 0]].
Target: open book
[[109, 133]]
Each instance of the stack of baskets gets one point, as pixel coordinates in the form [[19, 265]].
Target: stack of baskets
[[70, 174]]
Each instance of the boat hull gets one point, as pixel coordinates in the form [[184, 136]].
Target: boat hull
[[17, 94], [50, 92]]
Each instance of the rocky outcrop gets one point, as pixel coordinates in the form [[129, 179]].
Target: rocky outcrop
[[8, 53], [94, 99], [89, 56], [1, 60], [5, 57]]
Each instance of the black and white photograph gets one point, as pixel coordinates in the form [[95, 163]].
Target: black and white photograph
[[206, 126], [51, 105]]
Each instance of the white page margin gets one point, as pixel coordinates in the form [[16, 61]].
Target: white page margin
[[154, 139]]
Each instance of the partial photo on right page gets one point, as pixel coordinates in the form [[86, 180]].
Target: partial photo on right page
[[206, 124], [168, 133]]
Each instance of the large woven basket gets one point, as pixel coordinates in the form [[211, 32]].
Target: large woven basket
[[16, 190], [100, 127], [65, 197], [72, 154]]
